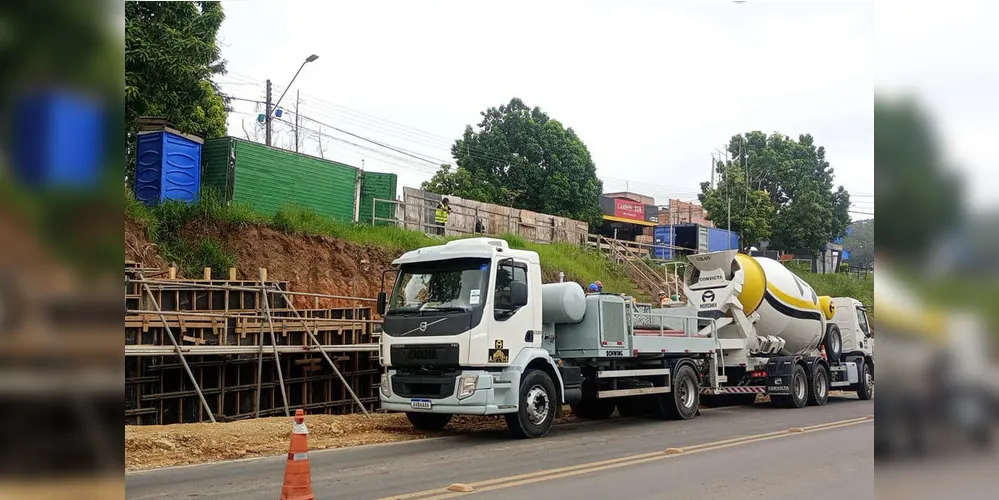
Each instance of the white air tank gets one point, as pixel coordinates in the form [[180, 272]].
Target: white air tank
[[562, 303]]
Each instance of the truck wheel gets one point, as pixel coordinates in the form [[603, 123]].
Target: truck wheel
[[682, 402], [833, 343], [818, 393], [536, 411], [799, 390], [428, 421], [865, 387]]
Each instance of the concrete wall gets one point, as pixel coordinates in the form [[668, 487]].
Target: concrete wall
[[419, 207]]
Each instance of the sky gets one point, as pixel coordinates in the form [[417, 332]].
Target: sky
[[652, 88]]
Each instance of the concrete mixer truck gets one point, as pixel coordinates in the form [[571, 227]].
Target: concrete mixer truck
[[469, 328]]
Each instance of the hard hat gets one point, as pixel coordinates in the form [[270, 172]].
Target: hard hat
[[594, 288]]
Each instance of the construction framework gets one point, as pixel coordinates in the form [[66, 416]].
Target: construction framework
[[218, 350]]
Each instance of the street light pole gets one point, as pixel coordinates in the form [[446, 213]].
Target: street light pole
[[270, 108]]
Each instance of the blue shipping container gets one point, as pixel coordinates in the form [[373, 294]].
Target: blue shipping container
[[167, 167], [721, 239], [663, 235]]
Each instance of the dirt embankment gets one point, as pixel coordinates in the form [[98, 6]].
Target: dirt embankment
[[317, 264], [151, 446]]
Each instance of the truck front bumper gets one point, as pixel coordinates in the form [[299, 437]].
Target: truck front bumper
[[495, 394]]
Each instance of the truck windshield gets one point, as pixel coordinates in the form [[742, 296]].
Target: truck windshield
[[456, 285]]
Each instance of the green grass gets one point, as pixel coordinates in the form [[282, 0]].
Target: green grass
[[838, 284], [164, 224]]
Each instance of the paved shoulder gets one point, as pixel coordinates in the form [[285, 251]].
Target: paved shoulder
[[383, 471]]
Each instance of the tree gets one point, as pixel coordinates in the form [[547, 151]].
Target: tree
[[520, 157], [171, 53], [860, 243], [807, 211], [752, 215], [913, 188]]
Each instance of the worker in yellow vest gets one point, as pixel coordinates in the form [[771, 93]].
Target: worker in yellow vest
[[440, 216]]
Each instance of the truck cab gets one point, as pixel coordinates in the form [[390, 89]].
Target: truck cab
[[461, 328], [856, 335]]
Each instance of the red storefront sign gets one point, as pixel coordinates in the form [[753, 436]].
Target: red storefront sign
[[627, 209]]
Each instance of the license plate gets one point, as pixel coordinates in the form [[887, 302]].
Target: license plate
[[420, 404]]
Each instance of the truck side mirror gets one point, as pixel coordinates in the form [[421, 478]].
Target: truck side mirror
[[382, 301], [518, 294]]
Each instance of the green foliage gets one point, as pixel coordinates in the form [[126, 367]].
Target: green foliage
[[807, 212], [171, 53], [165, 223], [914, 189], [860, 243], [837, 284], [519, 157], [751, 209]]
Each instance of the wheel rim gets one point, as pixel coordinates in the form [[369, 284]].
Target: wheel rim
[[836, 341], [869, 380], [799, 387], [537, 405], [822, 387], [686, 392]]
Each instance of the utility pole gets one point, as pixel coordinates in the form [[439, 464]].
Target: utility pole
[[267, 116], [298, 102]]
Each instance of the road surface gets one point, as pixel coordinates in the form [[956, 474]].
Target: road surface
[[745, 452]]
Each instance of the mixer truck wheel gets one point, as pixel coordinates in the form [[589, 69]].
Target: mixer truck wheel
[[833, 342], [536, 411], [682, 402], [429, 421], [818, 391], [799, 390], [865, 388]]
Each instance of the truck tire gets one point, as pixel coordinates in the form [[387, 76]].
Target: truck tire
[[592, 408], [833, 343], [799, 390], [428, 421], [682, 402], [536, 409], [865, 386], [818, 388]]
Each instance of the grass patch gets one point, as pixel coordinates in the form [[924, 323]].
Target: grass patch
[[838, 284], [164, 223]]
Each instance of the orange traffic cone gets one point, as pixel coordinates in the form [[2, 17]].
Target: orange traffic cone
[[297, 475], [822, 353]]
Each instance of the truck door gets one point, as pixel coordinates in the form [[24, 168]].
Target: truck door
[[864, 327], [512, 325]]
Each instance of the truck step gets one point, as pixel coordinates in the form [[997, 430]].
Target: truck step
[[631, 392]]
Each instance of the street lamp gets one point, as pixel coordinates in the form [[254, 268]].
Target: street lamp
[[270, 109]]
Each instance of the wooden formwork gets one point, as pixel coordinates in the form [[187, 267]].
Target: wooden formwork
[[223, 328]]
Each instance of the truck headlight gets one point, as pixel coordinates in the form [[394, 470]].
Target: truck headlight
[[385, 387], [466, 386]]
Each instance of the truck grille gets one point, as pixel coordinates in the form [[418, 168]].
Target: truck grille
[[424, 355], [420, 385]]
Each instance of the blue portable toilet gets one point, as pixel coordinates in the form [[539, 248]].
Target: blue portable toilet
[[167, 167], [59, 140]]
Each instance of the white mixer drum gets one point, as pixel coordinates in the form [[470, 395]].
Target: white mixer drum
[[788, 306]]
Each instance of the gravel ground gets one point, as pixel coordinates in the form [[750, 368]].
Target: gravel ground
[[151, 446]]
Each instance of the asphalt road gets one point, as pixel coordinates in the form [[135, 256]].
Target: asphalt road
[[746, 452]]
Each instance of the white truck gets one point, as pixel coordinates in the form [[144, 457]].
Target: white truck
[[469, 329]]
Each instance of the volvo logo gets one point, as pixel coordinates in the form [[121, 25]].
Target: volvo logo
[[423, 326], [708, 296]]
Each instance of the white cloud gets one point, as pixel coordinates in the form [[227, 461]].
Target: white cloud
[[651, 88]]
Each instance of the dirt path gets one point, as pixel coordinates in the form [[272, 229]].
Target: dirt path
[[151, 446]]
